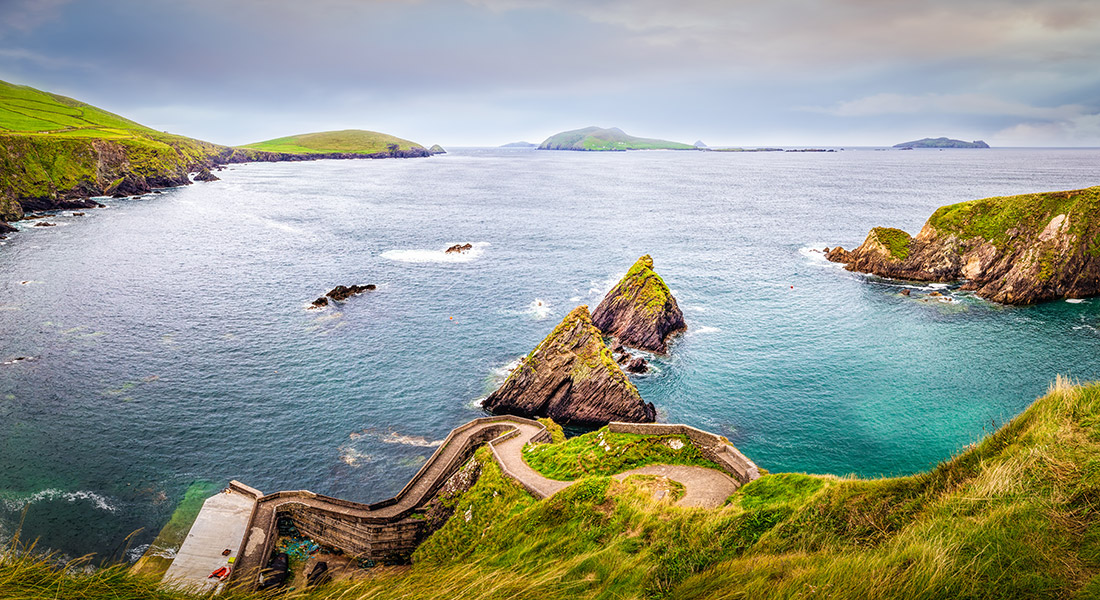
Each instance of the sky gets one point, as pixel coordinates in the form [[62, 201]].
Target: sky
[[489, 72]]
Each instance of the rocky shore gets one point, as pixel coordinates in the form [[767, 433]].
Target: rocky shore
[[1013, 250], [32, 179]]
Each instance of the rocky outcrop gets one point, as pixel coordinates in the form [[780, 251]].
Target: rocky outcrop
[[459, 249], [206, 175], [572, 378], [640, 311], [341, 293], [436, 149], [1013, 250]]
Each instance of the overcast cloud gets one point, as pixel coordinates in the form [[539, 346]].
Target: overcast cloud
[[486, 72]]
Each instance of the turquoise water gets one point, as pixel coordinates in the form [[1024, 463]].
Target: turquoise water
[[171, 340]]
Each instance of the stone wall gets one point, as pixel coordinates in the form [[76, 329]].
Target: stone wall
[[716, 448]]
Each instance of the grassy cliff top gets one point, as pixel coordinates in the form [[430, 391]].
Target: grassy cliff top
[[894, 240], [596, 138], [27, 111], [998, 219], [352, 141]]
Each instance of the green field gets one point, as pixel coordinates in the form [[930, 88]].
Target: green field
[[352, 141]]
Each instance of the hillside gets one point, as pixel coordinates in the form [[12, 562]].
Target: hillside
[[349, 141], [941, 142], [1012, 249], [1010, 517], [57, 152], [598, 139]]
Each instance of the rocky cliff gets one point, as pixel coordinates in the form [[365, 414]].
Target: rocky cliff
[[1015, 250], [640, 311], [571, 378]]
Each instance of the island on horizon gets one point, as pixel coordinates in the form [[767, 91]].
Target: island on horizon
[[599, 139], [941, 142]]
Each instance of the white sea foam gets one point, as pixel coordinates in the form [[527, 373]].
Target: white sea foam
[[815, 253], [353, 457], [410, 440], [437, 256], [697, 309], [18, 504], [539, 309], [704, 329], [1074, 300], [601, 288], [133, 554], [576, 299]]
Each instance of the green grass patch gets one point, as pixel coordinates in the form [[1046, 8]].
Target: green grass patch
[[896, 241], [997, 220], [601, 453]]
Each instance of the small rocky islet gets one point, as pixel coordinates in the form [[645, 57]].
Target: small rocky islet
[[574, 377], [1013, 250], [341, 293]]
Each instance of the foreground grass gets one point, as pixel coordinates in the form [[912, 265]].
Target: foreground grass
[[1013, 517]]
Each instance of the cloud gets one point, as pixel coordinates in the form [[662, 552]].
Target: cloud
[[1080, 130], [958, 104], [26, 15]]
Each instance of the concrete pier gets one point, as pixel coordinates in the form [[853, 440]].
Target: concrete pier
[[221, 525]]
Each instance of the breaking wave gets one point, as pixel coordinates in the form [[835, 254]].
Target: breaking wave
[[437, 256]]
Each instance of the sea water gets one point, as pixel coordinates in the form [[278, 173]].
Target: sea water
[[169, 338]]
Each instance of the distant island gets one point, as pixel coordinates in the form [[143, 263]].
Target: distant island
[[613, 139], [350, 141], [942, 142], [520, 145]]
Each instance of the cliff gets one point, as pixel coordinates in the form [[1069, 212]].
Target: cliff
[[1015, 250], [599, 139], [57, 152], [571, 378], [640, 310]]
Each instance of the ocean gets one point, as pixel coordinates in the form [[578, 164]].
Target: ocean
[[169, 340]]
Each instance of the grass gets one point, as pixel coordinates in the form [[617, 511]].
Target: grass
[[895, 241], [643, 289], [602, 452], [1000, 220], [354, 141], [1014, 516]]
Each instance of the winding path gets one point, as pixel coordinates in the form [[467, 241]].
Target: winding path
[[377, 528]]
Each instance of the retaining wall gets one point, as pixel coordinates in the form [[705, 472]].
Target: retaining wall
[[716, 448]]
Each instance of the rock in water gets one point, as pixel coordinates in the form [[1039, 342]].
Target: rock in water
[[571, 378], [1014, 250], [640, 311], [206, 175], [459, 249]]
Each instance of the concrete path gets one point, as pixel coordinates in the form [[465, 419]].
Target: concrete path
[[704, 488], [221, 525]]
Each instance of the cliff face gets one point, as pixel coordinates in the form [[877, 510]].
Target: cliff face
[[571, 378], [640, 311], [1014, 250]]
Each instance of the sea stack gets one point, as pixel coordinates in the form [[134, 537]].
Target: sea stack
[[572, 378], [1014, 250], [640, 311]]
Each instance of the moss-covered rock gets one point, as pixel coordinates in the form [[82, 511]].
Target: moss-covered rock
[[1015, 249], [640, 311], [571, 378]]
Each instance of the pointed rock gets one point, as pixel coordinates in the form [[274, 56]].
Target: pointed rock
[[640, 311], [571, 378]]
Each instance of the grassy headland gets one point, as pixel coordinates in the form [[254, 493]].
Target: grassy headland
[[55, 152], [1013, 516], [351, 141], [599, 139]]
